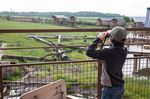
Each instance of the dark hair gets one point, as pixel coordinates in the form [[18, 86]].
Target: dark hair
[[116, 43]]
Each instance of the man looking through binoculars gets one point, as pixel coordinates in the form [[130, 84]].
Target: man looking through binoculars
[[113, 59]]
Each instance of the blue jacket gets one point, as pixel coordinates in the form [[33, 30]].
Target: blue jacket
[[113, 59]]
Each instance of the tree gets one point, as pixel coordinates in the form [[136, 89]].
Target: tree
[[132, 20], [127, 19], [8, 18]]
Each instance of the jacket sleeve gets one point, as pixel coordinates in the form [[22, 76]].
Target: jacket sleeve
[[101, 54]]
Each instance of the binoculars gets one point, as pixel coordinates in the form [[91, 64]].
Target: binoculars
[[108, 35]]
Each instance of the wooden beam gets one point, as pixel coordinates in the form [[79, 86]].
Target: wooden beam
[[64, 30]]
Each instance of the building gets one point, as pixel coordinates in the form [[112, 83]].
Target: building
[[147, 21], [63, 20], [139, 24], [72, 18], [23, 19], [110, 22], [59, 19], [99, 21]]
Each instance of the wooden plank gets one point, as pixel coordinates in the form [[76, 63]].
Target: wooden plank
[[64, 30], [59, 39], [22, 58], [54, 90]]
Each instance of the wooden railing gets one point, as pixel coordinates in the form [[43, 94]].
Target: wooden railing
[[16, 31]]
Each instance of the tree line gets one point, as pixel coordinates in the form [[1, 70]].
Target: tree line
[[49, 14]]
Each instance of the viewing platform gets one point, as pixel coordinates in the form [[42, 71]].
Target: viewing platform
[[82, 77]]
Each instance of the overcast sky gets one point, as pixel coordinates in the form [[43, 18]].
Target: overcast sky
[[123, 7]]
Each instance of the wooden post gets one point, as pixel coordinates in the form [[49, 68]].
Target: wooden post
[[99, 92], [135, 65], [1, 83], [1, 74], [1, 51], [147, 62], [59, 39], [139, 66]]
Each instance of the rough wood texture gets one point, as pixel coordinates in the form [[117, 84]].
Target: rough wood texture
[[54, 90]]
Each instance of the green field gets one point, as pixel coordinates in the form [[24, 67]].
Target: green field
[[13, 25], [23, 39]]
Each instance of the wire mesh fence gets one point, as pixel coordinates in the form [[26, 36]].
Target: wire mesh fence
[[137, 78], [81, 77]]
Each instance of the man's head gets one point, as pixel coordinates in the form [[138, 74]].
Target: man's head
[[118, 34]]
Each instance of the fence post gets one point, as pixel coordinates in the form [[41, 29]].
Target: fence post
[[135, 65], [139, 65], [147, 62], [1, 83], [99, 92]]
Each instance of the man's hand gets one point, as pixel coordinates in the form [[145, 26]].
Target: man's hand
[[102, 35]]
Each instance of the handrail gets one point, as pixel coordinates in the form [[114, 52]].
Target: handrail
[[66, 46], [38, 47], [43, 63], [65, 30], [60, 62]]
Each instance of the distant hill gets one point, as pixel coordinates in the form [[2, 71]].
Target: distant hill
[[49, 14]]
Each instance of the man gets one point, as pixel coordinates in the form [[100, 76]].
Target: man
[[113, 59]]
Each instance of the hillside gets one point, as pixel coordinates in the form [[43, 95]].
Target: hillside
[[49, 14]]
